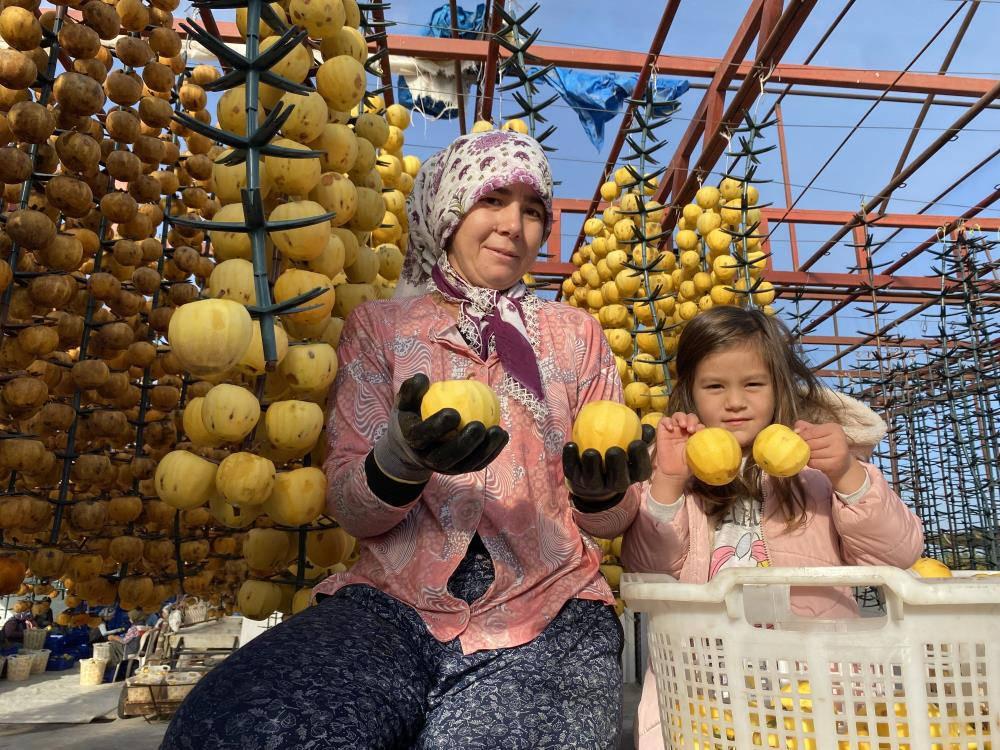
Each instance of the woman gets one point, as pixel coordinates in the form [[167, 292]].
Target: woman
[[476, 616], [20, 620], [126, 645]]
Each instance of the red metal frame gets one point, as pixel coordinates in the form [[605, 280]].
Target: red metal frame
[[707, 116], [484, 97], [459, 87], [684, 182], [902, 175], [840, 287], [378, 13], [690, 66], [669, 11]]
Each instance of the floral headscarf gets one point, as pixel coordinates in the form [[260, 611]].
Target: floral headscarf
[[449, 184]]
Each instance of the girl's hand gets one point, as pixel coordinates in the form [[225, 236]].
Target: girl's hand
[[671, 472], [831, 454]]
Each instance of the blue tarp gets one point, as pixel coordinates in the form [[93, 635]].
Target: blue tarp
[[427, 103], [470, 23], [598, 97], [595, 97]]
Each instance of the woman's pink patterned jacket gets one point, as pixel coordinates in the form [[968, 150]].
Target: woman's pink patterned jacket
[[519, 505]]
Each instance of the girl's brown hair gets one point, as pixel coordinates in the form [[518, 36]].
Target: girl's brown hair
[[796, 392]]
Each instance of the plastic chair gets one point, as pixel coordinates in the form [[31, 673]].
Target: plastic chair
[[130, 663]]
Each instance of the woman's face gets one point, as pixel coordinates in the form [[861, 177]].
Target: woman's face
[[499, 238]]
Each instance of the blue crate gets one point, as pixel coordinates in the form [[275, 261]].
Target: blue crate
[[58, 663], [56, 643]]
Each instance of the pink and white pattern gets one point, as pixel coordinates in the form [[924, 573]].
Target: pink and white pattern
[[519, 505]]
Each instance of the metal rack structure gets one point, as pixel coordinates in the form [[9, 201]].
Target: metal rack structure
[[938, 389]]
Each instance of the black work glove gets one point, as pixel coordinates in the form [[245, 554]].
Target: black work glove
[[413, 448], [597, 484]]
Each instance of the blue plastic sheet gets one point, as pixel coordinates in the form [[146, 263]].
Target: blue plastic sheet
[[469, 23], [598, 97]]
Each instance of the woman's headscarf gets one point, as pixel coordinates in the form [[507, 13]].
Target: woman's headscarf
[[451, 181], [447, 186]]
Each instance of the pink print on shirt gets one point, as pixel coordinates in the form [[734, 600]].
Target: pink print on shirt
[[746, 548]]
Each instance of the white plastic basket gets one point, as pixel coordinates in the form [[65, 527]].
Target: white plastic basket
[[19, 666], [195, 612], [34, 639], [926, 676]]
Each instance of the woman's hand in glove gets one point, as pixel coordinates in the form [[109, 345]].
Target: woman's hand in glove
[[413, 448], [593, 481]]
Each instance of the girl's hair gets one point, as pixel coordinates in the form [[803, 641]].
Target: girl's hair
[[796, 392]]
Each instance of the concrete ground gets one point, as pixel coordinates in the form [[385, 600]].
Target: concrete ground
[[111, 733], [106, 733]]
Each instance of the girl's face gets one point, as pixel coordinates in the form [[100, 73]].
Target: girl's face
[[733, 389], [499, 238]]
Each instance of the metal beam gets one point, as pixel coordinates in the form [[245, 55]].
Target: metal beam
[[909, 170], [820, 216], [880, 333], [796, 280], [378, 15], [459, 84], [484, 95], [683, 183], [947, 228], [689, 66], [786, 178], [861, 341], [907, 257], [708, 114], [669, 11], [926, 106]]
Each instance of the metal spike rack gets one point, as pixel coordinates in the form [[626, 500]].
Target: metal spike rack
[[643, 247], [253, 68], [514, 38], [942, 404], [745, 238]]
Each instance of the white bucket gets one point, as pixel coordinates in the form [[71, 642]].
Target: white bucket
[[92, 671], [19, 667], [41, 660]]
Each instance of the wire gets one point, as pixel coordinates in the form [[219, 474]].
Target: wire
[[681, 118], [719, 173], [600, 48], [871, 109]]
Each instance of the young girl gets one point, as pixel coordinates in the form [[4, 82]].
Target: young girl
[[737, 369]]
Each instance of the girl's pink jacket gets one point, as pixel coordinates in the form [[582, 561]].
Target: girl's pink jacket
[[876, 530]]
